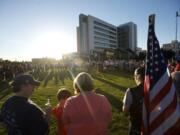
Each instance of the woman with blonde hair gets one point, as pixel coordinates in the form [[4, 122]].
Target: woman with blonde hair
[[86, 113]]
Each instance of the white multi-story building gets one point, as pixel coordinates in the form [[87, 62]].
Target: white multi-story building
[[94, 34]]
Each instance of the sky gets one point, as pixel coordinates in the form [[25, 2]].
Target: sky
[[47, 28]]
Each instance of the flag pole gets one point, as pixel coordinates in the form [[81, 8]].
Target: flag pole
[[177, 15], [176, 27]]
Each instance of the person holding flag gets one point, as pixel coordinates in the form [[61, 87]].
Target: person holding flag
[[161, 113]]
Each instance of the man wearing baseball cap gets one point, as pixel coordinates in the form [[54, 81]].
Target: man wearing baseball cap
[[20, 115]]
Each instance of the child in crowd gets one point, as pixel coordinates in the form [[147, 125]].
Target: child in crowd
[[57, 111]]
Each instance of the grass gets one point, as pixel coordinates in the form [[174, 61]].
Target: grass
[[111, 84]]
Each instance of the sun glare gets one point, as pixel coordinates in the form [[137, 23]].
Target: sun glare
[[53, 44]]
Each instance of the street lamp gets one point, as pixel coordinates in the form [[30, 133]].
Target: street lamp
[[177, 15]]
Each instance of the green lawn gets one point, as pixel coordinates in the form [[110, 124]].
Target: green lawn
[[112, 85]]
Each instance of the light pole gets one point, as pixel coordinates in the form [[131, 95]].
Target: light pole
[[177, 15]]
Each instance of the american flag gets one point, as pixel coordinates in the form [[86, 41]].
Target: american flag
[[161, 112]]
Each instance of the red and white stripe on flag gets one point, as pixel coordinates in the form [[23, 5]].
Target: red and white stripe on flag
[[161, 112]]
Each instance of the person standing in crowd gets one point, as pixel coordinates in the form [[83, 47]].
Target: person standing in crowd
[[177, 67], [86, 113], [171, 66], [20, 115], [57, 111], [176, 80], [132, 102]]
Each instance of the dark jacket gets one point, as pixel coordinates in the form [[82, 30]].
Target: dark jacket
[[22, 117], [136, 108]]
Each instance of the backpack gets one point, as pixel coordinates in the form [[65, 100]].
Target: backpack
[[136, 106]]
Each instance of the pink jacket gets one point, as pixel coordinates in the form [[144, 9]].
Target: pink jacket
[[87, 114]]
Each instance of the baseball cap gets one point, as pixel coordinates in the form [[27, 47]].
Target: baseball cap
[[25, 79]]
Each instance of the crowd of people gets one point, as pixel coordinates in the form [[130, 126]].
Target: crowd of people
[[9, 70], [61, 70], [86, 112]]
